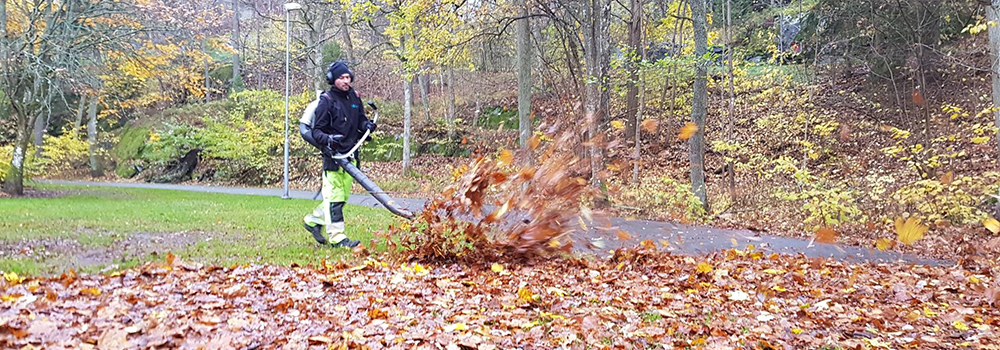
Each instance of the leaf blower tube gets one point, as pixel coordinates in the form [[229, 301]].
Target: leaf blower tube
[[345, 163]]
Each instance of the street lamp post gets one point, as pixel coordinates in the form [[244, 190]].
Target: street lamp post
[[289, 7]]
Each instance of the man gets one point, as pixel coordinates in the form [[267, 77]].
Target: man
[[339, 123]]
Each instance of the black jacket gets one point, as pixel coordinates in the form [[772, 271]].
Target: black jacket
[[342, 114]]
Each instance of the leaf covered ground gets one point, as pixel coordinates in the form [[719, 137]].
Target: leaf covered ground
[[636, 299]]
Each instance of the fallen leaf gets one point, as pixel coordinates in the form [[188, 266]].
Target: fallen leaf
[[688, 130], [947, 178], [497, 268], [739, 295], [91, 291], [525, 295], [992, 224], [704, 267], [617, 124], [456, 327], [320, 339], [112, 339], [918, 98], [959, 325], [12, 278]]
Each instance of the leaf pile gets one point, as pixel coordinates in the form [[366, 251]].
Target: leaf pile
[[536, 207], [644, 299]]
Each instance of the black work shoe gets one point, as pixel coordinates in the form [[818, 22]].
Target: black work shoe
[[346, 243], [317, 232]]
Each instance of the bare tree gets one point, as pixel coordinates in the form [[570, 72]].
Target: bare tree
[[700, 101], [523, 75], [44, 56], [992, 17], [596, 50]]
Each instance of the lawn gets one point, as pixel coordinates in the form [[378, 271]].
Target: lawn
[[92, 229]]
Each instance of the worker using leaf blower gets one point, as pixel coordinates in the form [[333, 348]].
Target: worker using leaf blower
[[337, 127]]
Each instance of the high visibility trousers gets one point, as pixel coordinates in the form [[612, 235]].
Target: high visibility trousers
[[330, 213]]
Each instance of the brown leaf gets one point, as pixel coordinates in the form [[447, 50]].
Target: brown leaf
[[918, 98], [687, 131], [320, 339], [650, 125], [534, 141], [622, 235], [826, 235], [947, 178], [112, 339]]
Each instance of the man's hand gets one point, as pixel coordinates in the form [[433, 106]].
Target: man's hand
[[369, 125], [332, 143]]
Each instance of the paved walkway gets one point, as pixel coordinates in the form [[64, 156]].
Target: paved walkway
[[682, 239]]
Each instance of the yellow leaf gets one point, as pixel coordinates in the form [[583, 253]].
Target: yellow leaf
[[797, 330], [649, 125], [688, 130], [419, 269], [928, 312], [909, 231], [973, 279], [10, 297], [992, 224], [778, 288], [774, 272], [980, 139], [534, 141], [617, 124], [497, 268], [12, 278], [456, 327], [525, 295], [506, 158], [883, 243], [959, 325], [704, 267], [91, 291]]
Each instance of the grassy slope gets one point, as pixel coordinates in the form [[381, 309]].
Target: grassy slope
[[216, 228]]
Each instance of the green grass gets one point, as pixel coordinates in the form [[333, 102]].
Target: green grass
[[215, 228]]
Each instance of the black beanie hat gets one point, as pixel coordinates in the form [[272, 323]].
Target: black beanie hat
[[336, 70]]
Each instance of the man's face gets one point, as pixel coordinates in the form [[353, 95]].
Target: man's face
[[343, 82]]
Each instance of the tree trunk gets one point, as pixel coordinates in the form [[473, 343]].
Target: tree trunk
[[730, 168], [596, 41], [14, 181], [993, 16], [642, 95], [407, 102], [523, 75], [208, 78], [421, 82], [38, 131], [699, 106], [237, 79], [451, 103], [635, 45], [79, 112], [96, 169], [345, 34]]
